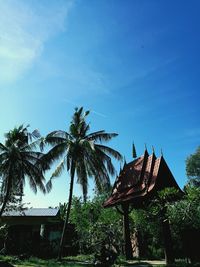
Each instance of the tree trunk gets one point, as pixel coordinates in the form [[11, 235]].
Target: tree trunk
[[67, 213], [169, 255], [4, 204], [6, 197], [127, 238]]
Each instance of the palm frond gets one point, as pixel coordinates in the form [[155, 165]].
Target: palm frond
[[32, 184], [3, 148], [54, 140], [35, 176], [55, 153], [56, 174], [32, 146], [42, 143], [82, 176], [101, 136], [110, 151], [101, 177], [49, 185], [59, 169], [58, 133], [36, 133], [103, 157]]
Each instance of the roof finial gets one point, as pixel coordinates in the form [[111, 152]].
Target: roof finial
[[153, 150], [161, 151], [145, 146], [134, 154]]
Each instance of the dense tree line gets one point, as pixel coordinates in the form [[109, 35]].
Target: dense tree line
[[95, 225]]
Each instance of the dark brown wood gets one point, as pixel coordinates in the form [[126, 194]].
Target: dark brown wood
[[127, 238], [168, 245]]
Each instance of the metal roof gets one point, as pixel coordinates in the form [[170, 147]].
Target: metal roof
[[33, 212]]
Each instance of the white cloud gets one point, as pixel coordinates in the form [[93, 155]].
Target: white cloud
[[25, 26]]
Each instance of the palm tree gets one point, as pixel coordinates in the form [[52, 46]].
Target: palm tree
[[84, 155], [19, 160]]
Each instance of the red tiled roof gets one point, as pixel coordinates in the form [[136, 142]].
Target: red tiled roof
[[139, 178]]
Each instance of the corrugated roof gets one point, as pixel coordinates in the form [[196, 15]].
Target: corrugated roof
[[37, 212]]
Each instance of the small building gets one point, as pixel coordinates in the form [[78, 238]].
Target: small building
[[35, 231]]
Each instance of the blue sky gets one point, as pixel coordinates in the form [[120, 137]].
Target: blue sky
[[133, 63]]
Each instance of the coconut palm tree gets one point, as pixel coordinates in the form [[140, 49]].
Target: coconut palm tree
[[18, 161], [84, 156]]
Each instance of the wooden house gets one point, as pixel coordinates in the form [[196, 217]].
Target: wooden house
[[36, 231]]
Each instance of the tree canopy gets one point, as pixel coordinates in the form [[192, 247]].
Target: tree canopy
[[193, 167], [20, 160], [83, 155]]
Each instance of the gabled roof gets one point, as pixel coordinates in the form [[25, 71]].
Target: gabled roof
[[139, 179], [33, 212]]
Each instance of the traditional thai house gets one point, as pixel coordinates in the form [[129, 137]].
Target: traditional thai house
[[136, 184], [35, 231]]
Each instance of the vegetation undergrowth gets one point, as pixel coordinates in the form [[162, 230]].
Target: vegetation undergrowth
[[86, 260], [78, 261]]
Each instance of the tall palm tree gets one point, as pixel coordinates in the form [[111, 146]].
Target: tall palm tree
[[19, 160], [84, 155]]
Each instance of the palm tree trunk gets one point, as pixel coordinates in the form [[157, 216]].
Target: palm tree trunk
[[4, 204], [67, 213], [6, 197]]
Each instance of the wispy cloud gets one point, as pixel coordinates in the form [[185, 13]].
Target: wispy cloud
[[24, 29], [100, 114]]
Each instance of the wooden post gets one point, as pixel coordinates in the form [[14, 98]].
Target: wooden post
[[127, 238], [169, 255]]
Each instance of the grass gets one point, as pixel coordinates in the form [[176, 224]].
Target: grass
[[80, 261], [86, 261]]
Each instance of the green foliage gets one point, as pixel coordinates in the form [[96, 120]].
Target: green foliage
[[163, 199], [95, 225], [184, 216], [193, 167], [82, 153], [186, 212], [63, 210], [20, 160], [35, 262], [146, 224]]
